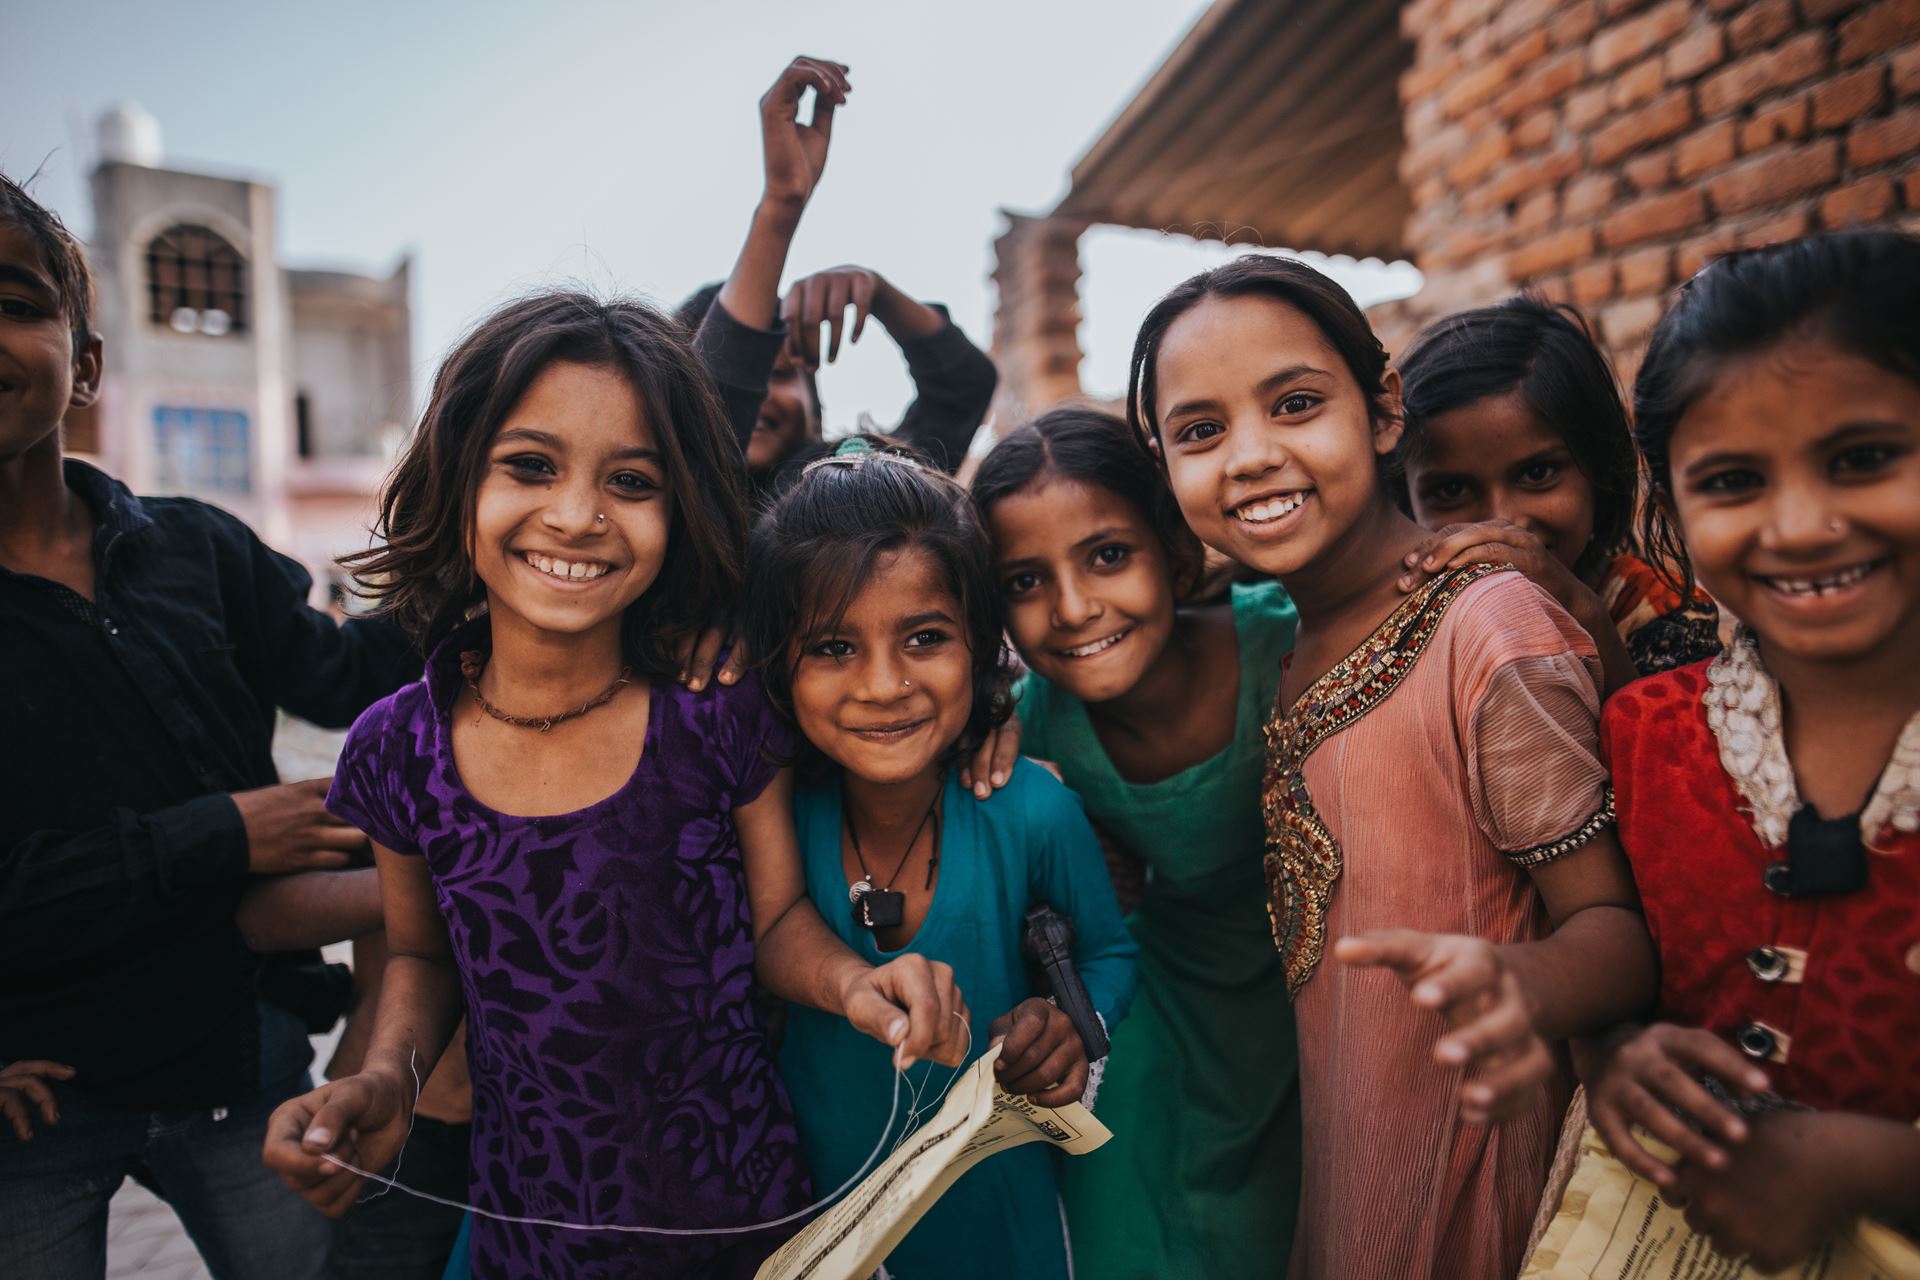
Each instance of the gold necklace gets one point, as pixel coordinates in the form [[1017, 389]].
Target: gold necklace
[[473, 662]]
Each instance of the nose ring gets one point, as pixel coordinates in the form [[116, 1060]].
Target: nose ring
[[906, 684], [1836, 525], [599, 519]]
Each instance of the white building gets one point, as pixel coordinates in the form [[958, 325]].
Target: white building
[[275, 393]]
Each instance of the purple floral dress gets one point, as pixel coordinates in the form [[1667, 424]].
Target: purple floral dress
[[621, 1072]]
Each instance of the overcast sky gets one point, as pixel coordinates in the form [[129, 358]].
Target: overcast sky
[[512, 145]]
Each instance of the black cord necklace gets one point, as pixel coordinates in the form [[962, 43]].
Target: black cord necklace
[[885, 907]]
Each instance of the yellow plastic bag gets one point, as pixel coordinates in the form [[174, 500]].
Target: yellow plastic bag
[[1613, 1225]]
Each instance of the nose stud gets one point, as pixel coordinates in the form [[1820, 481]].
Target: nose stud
[[599, 519], [1836, 525], [906, 684]]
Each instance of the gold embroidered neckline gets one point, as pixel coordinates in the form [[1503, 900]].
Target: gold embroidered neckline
[[1303, 860]]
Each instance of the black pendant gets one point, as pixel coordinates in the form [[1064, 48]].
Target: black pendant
[[880, 909], [1825, 856]]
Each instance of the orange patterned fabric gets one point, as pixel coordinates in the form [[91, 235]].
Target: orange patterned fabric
[[1408, 788], [1661, 628], [1834, 982]]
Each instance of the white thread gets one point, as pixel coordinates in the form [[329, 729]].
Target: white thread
[[893, 1112], [413, 1065]]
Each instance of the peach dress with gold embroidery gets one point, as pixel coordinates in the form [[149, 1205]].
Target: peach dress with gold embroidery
[[1411, 787]]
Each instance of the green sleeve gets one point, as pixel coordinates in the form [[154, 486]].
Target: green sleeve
[[1069, 871], [1032, 703], [1266, 620]]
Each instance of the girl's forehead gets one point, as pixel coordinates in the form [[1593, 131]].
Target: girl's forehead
[[592, 407], [904, 583], [1246, 335], [1058, 509], [1794, 394]]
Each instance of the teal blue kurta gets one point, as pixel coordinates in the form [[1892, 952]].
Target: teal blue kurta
[[1203, 1175], [1029, 843]]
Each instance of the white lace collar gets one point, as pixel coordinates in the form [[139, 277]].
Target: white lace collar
[[1743, 710]]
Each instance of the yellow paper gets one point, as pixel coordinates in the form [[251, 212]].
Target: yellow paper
[[978, 1120], [1613, 1225]]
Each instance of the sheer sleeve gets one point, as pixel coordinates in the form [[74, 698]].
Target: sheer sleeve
[[1536, 782]]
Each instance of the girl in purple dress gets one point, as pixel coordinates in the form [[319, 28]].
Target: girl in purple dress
[[590, 861]]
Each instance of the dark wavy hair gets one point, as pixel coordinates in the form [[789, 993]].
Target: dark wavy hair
[[1854, 289], [1096, 448], [1264, 275], [60, 253], [421, 573], [817, 545], [1544, 353]]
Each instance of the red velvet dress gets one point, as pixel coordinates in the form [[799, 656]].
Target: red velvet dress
[[1824, 993]]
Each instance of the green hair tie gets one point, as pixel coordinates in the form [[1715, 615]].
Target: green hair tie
[[854, 447]]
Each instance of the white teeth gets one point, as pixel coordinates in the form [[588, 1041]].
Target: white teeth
[[572, 571], [1098, 646], [1821, 586], [1268, 509]]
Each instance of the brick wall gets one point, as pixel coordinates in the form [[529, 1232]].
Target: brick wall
[[1602, 150]]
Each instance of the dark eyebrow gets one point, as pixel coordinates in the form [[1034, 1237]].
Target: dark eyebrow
[[1268, 385], [553, 442], [1101, 535], [922, 619], [1854, 430], [11, 273], [1723, 458]]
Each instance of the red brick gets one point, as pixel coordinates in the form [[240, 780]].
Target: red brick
[[1535, 129], [1782, 122], [1535, 213], [1543, 82], [1614, 10], [1775, 177], [1557, 249], [1700, 250], [1636, 84], [1846, 98], [1590, 195], [1704, 150], [1430, 191], [1878, 28], [1826, 10], [1906, 72], [1468, 245], [1759, 25], [1591, 283], [1865, 201], [1533, 173], [1910, 189], [1626, 41], [1654, 217], [1586, 108], [1646, 271], [1458, 15], [1790, 225], [1795, 62], [1477, 45], [1478, 160], [1652, 123], [1894, 137], [1697, 52], [1517, 17], [1433, 154], [1574, 24], [1553, 288], [1428, 74], [1473, 86], [1650, 170], [1626, 322]]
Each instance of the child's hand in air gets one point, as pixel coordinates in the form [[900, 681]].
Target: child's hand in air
[[795, 154], [1650, 1077], [1788, 1189], [1041, 1055], [362, 1119], [23, 1087], [1496, 542], [1492, 1037], [912, 1004], [991, 767]]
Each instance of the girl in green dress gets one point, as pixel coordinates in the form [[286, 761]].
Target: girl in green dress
[[1152, 713]]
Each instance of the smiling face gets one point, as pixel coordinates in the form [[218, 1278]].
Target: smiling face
[[577, 447], [1796, 483], [785, 417], [1088, 587], [885, 692], [1269, 441], [1496, 459], [40, 378]]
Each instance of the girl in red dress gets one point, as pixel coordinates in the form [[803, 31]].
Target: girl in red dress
[[1769, 799]]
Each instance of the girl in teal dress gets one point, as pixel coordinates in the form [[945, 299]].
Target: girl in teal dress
[[1152, 712], [870, 591]]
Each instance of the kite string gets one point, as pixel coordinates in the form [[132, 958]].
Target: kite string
[[893, 1113]]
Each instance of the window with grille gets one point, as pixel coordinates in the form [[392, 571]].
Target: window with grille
[[196, 282], [202, 449]]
